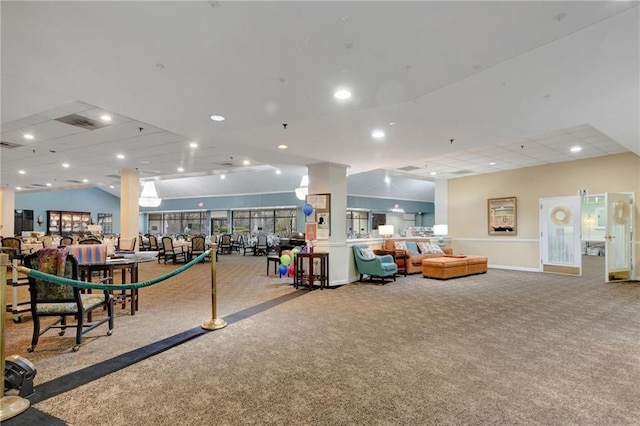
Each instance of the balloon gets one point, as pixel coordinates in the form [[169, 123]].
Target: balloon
[[287, 252], [285, 260], [290, 270], [307, 209], [282, 269]]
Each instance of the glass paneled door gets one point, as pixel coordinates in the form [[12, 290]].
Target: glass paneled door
[[560, 239], [618, 236]]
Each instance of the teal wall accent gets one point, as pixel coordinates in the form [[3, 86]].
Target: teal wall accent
[[93, 200]]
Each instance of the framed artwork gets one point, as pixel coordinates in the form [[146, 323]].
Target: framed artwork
[[321, 215], [502, 216]]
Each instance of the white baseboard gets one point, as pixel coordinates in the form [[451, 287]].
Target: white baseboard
[[514, 268]]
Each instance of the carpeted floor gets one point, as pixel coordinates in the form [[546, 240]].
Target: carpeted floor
[[505, 347]]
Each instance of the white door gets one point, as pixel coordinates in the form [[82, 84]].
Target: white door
[[618, 236], [560, 228]]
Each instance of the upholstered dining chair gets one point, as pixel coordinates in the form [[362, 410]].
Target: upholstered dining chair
[[171, 252], [49, 299], [144, 245], [225, 244], [153, 242], [66, 241], [262, 246], [16, 245], [197, 247], [375, 266], [132, 244]]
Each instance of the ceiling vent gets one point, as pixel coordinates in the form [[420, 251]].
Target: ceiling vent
[[73, 181], [227, 164], [80, 121], [462, 172], [409, 168], [9, 145]]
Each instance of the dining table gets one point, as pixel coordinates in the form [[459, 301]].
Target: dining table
[[126, 266]]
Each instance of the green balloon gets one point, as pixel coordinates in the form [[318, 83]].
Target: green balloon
[[285, 260]]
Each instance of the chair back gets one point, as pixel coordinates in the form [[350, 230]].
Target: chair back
[[13, 242], [90, 241], [66, 241], [197, 244], [225, 240], [167, 244], [51, 261], [262, 244], [153, 242]]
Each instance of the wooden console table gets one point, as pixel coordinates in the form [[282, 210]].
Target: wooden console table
[[309, 276]]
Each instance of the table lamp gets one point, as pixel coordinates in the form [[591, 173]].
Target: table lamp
[[440, 231], [386, 231]]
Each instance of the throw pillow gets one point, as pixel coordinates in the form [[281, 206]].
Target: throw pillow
[[435, 249], [424, 247], [412, 247], [400, 245], [367, 253]]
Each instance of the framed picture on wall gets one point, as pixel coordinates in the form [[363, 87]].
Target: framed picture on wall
[[502, 216]]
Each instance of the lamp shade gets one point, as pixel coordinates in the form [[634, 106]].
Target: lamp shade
[[386, 230], [440, 229], [149, 196]]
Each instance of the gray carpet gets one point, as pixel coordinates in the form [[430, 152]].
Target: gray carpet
[[500, 348]]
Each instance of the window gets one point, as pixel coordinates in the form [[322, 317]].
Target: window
[[357, 223], [106, 221], [279, 221], [176, 222]]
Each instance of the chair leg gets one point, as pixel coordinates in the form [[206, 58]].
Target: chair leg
[[80, 318]]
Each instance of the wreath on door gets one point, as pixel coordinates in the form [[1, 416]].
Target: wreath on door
[[621, 212], [561, 215]]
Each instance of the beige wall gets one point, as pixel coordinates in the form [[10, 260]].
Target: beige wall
[[467, 213]]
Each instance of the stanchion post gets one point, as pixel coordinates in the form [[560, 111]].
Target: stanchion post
[[10, 406], [214, 323]]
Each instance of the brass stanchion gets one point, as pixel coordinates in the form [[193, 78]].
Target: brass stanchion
[[214, 323], [10, 406]]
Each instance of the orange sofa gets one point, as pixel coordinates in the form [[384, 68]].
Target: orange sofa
[[411, 257]]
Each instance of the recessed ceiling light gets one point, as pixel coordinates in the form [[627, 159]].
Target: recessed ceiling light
[[283, 146], [22, 172], [85, 180], [193, 145], [377, 134], [47, 184], [18, 188], [342, 94], [392, 123], [65, 165], [492, 163], [246, 162], [278, 172], [180, 169], [433, 173], [120, 156], [28, 136], [105, 117], [387, 179], [216, 117], [576, 148], [223, 177], [112, 187]]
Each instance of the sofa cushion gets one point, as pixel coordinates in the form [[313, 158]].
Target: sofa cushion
[[367, 253], [427, 248], [400, 245], [412, 247]]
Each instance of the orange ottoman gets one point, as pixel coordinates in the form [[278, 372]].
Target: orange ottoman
[[444, 267], [476, 264]]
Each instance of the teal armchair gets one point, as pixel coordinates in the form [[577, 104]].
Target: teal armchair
[[368, 263]]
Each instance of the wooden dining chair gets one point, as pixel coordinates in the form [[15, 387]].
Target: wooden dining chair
[[171, 252]]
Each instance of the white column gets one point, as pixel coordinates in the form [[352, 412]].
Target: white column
[[330, 178], [7, 208], [129, 210], [441, 202]]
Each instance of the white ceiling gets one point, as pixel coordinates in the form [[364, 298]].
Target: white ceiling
[[515, 83]]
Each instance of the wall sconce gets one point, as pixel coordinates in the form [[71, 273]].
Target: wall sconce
[[39, 220]]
